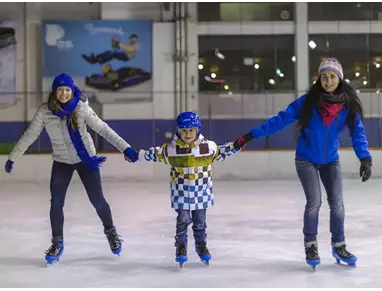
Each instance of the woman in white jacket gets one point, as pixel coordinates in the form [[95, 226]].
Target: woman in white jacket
[[65, 117]]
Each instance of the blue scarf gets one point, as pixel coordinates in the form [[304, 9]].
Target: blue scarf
[[68, 108]]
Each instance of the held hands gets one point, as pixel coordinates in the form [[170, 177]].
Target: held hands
[[242, 141], [131, 155], [365, 169], [9, 166]]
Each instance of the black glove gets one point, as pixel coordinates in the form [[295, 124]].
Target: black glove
[[365, 169], [242, 141]]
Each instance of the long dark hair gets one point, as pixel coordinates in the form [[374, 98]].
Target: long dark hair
[[314, 99]]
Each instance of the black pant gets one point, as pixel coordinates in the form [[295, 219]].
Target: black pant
[[59, 183], [107, 56]]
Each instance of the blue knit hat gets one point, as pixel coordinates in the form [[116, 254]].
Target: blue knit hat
[[63, 80]]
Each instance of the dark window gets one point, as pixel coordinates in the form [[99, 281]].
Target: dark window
[[246, 63], [359, 54], [333, 11], [257, 11], [375, 62]]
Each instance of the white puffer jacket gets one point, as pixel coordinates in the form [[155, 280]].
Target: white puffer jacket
[[63, 149]]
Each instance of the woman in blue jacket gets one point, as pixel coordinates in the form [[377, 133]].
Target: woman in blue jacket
[[321, 115]]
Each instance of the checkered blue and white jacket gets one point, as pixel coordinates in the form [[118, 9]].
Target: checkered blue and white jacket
[[191, 169]]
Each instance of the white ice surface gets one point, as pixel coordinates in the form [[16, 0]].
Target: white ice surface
[[254, 235]]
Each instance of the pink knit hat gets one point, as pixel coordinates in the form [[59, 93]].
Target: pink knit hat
[[332, 64]]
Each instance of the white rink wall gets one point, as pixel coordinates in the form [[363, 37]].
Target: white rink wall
[[248, 165]]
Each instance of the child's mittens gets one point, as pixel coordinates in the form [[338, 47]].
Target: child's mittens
[[9, 166], [131, 155]]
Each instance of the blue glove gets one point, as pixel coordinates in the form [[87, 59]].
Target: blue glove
[[9, 166], [131, 155]]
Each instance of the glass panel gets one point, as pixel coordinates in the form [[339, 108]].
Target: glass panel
[[359, 54], [246, 63], [255, 11], [348, 11]]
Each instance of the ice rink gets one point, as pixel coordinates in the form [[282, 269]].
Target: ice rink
[[254, 236]]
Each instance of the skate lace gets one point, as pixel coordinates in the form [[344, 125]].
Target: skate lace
[[181, 250], [54, 250], [342, 252], [312, 252], [202, 249], [114, 240]]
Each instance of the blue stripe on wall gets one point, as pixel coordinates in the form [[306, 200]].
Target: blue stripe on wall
[[147, 133]]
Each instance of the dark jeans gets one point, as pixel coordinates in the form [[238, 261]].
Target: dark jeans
[[59, 183], [184, 219], [112, 54], [309, 175]]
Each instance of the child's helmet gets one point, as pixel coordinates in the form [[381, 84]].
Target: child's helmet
[[188, 119]]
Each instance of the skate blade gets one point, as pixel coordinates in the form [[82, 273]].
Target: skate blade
[[50, 263], [350, 264], [181, 262], [205, 262], [314, 267], [117, 252], [313, 264], [346, 264]]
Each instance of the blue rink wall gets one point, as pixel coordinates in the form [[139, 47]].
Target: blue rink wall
[[146, 133]]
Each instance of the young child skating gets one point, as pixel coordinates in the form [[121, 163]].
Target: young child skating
[[190, 156]]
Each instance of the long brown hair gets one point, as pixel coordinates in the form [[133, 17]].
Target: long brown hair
[[351, 102], [54, 105]]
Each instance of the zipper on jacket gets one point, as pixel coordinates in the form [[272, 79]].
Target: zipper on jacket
[[325, 145], [66, 142], [337, 122]]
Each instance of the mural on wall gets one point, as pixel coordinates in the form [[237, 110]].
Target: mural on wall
[[112, 58], [7, 62]]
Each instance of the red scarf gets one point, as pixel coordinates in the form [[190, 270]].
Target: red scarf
[[330, 112]]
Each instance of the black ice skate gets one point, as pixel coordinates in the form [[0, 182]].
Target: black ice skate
[[54, 253], [312, 256], [340, 253], [203, 253], [114, 239], [181, 254]]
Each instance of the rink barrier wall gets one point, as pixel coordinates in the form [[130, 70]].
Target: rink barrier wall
[[146, 133], [247, 165]]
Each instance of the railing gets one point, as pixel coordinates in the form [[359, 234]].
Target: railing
[[263, 105], [147, 119]]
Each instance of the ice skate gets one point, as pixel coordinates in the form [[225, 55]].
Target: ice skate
[[341, 254], [56, 250]]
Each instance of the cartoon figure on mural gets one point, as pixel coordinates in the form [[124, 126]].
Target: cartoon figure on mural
[[123, 77], [103, 56], [121, 51]]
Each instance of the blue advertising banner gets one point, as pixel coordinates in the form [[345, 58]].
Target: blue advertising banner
[[7, 62], [101, 55]]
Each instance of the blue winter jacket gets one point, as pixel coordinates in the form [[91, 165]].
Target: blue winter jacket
[[318, 143]]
